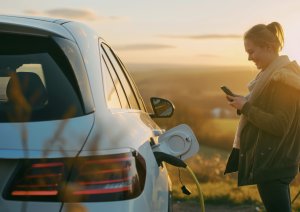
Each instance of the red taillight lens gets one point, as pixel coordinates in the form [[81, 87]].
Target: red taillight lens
[[107, 178], [38, 180], [92, 179]]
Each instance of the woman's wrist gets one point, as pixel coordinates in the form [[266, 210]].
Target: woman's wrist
[[245, 108]]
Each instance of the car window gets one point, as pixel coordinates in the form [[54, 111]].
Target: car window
[[111, 94], [118, 86], [134, 87], [126, 84], [36, 83], [74, 57]]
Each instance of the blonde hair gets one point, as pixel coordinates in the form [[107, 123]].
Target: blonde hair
[[266, 35]]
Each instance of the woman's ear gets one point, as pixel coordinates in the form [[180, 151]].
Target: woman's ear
[[271, 48]]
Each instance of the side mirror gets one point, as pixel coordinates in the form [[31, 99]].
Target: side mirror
[[162, 108]]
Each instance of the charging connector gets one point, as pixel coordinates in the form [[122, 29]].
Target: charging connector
[[184, 189]]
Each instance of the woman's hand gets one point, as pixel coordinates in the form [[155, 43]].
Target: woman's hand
[[236, 101]]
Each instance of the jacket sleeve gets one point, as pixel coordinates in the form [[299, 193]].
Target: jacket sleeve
[[283, 105]]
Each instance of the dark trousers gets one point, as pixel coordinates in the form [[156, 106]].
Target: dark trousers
[[275, 195]]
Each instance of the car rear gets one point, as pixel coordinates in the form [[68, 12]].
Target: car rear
[[46, 115]]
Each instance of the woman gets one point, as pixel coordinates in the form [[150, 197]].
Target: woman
[[268, 135]]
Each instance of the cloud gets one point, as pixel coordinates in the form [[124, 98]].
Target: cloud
[[117, 18], [73, 13], [78, 14], [208, 55], [32, 12], [144, 47], [205, 36]]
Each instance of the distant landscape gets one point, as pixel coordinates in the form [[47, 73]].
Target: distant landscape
[[197, 97]]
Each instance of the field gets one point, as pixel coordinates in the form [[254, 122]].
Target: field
[[201, 104], [198, 99]]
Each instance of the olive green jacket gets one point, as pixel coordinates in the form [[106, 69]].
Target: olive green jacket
[[270, 141]]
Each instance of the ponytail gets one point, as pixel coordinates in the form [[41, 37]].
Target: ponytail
[[277, 31], [267, 35]]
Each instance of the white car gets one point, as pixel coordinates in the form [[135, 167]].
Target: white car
[[75, 133]]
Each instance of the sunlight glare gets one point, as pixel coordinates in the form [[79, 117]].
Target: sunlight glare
[[292, 41]]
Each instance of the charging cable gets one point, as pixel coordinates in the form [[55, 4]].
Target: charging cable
[[172, 160], [200, 194]]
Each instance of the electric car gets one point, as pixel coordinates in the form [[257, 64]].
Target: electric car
[[75, 133]]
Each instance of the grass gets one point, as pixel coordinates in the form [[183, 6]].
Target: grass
[[220, 193], [220, 127], [217, 188], [217, 132]]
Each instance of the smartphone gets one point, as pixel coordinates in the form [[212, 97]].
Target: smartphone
[[227, 91]]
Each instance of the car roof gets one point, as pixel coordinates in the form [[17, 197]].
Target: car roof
[[48, 19], [28, 25]]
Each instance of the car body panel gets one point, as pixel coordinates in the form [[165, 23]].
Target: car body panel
[[57, 138], [134, 129]]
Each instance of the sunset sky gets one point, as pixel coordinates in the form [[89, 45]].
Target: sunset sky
[[195, 32]]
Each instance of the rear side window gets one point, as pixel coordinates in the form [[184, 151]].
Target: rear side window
[[116, 81], [127, 87], [110, 89], [36, 81]]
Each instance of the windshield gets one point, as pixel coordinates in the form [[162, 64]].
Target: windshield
[[36, 81]]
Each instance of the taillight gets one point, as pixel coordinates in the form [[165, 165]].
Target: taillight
[[88, 179], [39, 180], [107, 178]]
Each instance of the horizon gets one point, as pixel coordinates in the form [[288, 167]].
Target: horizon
[[132, 67]]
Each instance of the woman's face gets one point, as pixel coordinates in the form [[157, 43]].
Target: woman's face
[[261, 56]]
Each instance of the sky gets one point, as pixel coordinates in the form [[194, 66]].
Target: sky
[[177, 32]]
